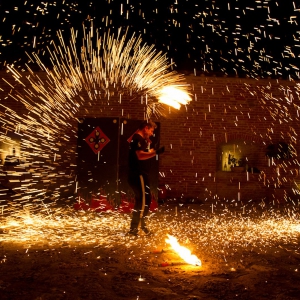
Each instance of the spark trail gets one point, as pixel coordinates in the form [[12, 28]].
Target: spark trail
[[101, 72]]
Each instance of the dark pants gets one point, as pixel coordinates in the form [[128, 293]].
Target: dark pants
[[141, 188]]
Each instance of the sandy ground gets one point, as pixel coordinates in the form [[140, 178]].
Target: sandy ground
[[122, 267]]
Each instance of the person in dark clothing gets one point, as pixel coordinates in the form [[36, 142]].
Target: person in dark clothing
[[140, 153]]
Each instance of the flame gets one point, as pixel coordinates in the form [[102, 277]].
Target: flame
[[183, 252], [174, 96]]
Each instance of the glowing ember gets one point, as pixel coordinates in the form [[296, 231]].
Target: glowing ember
[[183, 252], [173, 96]]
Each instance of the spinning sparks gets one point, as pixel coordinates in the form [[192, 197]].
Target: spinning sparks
[[84, 79], [183, 252], [108, 68]]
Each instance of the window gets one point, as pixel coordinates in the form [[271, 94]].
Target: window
[[237, 156]]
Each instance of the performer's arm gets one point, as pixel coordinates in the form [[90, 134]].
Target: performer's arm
[[143, 155]]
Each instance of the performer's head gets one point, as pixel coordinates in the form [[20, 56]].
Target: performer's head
[[147, 127]]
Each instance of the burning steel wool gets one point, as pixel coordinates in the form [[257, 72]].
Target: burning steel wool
[[174, 96], [183, 252]]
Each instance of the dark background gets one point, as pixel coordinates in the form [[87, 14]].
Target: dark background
[[237, 38]]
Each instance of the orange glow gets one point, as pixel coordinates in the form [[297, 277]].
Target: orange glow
[[174, 96], [183, 252]]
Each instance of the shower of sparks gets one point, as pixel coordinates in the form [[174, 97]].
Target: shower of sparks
[[221, 235], [111, 65], [105, 70], [218, 37], [254, 38], [183, 252]]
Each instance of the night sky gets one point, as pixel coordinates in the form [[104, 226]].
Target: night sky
[[235, 37]]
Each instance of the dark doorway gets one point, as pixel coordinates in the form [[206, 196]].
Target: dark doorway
[[102, 150]]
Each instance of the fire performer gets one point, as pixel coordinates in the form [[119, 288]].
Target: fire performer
[[140, 152]]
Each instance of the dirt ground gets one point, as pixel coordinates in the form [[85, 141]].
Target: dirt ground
[[132, 268]]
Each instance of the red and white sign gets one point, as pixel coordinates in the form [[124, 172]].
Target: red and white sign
[[97, 140]]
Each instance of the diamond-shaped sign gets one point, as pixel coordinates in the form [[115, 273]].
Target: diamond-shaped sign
[[97, 140]]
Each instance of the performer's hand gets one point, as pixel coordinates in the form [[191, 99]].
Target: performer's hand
[[160, 150]]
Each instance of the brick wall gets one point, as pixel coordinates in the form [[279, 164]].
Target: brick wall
[[256, 112], [223, 111]]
